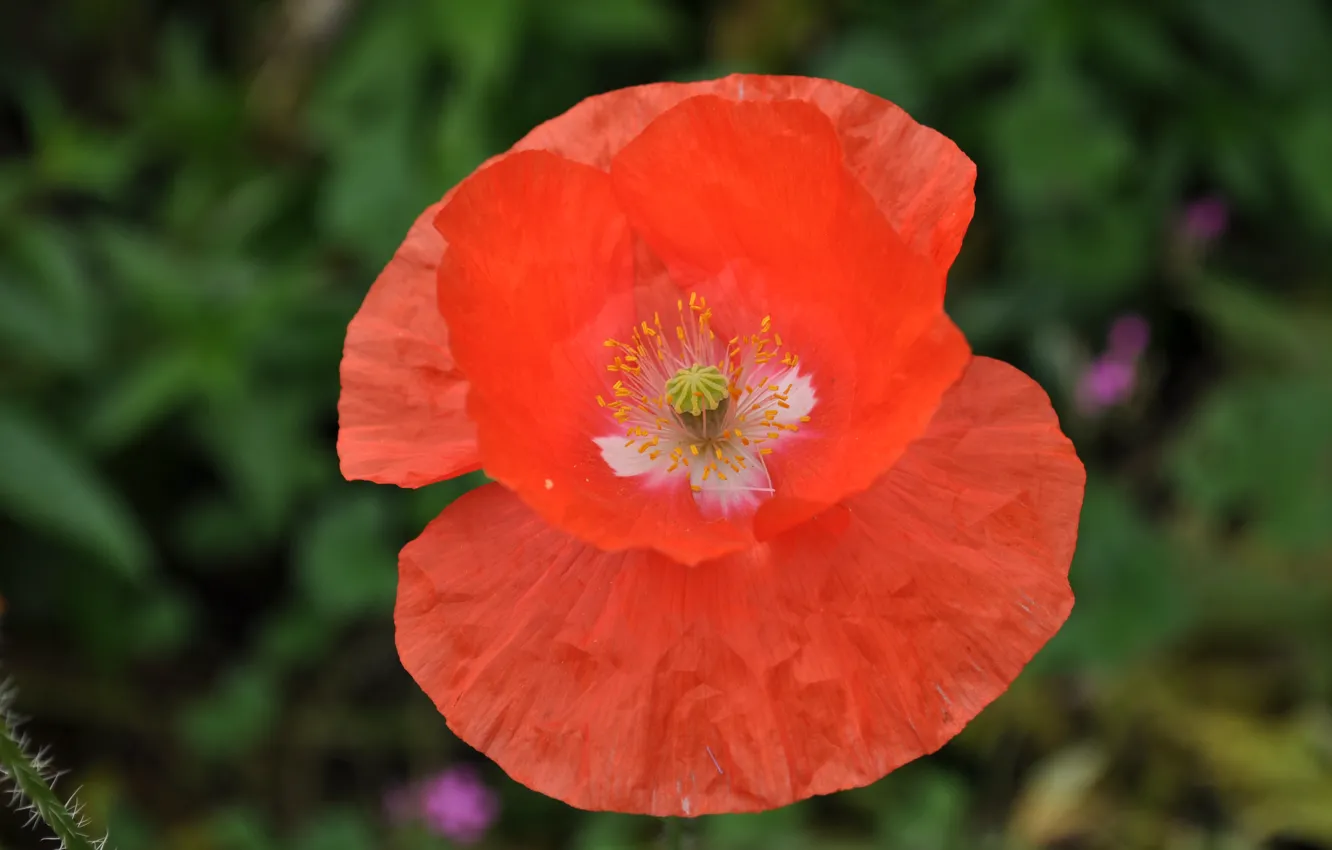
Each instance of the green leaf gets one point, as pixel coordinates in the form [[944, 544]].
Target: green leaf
[[32, 330], [1305, 142], [234, 718], [624, 25], [1259, 449], [1089, 260], [294, 635], [47, 307], [1276, 41], [338, 829], [261, 446], [1056, 143], [164, 622], [461, 137], [778, 829], [1252, 324], [930, 811], [53, 259], [157, 283], [44, 483], [376, 188], [369, 116], [215, 532], [238, 828], [344, 564], [16, 180], [606, 831], [72, 155], [140, 397], [482, 38], [1137, 44], [999, 310], [1130, 599]]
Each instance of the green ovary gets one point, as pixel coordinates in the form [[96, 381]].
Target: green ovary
[[697, 388]]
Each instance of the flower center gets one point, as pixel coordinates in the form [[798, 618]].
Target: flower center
[[697, 388], [700, 396], [691, 402]]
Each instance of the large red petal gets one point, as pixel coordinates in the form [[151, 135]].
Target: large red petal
[[540, 271], [750, 204], [817, 662], [918, 177], [401, 413]]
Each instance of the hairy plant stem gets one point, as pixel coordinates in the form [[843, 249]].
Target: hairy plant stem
[[26, 773]]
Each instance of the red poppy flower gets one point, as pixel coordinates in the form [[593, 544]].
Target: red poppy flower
[[763, 527]]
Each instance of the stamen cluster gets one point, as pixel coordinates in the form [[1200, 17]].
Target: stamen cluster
[[688, 400]]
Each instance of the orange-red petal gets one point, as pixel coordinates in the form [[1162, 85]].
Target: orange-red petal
[[401, 414], [750, 204], [817, 662], [918, 177], [540, 272]]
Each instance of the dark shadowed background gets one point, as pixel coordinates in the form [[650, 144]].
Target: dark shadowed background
[[194, 197]]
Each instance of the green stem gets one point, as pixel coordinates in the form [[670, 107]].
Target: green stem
[[18, 766]]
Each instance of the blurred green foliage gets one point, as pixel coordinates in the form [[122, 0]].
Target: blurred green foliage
[[195, 196]]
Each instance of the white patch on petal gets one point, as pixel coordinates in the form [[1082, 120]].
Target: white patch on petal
[[737, 493], [629, 462]]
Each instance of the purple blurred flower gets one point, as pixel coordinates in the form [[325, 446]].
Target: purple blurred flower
[[1205, 219], [1110, 379], [1106, 383], [454, 803]]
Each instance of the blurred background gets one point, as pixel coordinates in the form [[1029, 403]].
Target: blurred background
[[195, 196]]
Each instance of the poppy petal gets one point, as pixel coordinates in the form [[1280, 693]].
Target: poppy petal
[[750, 204], [817, 662], [540, 271], [918, 177], [402, 412]]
